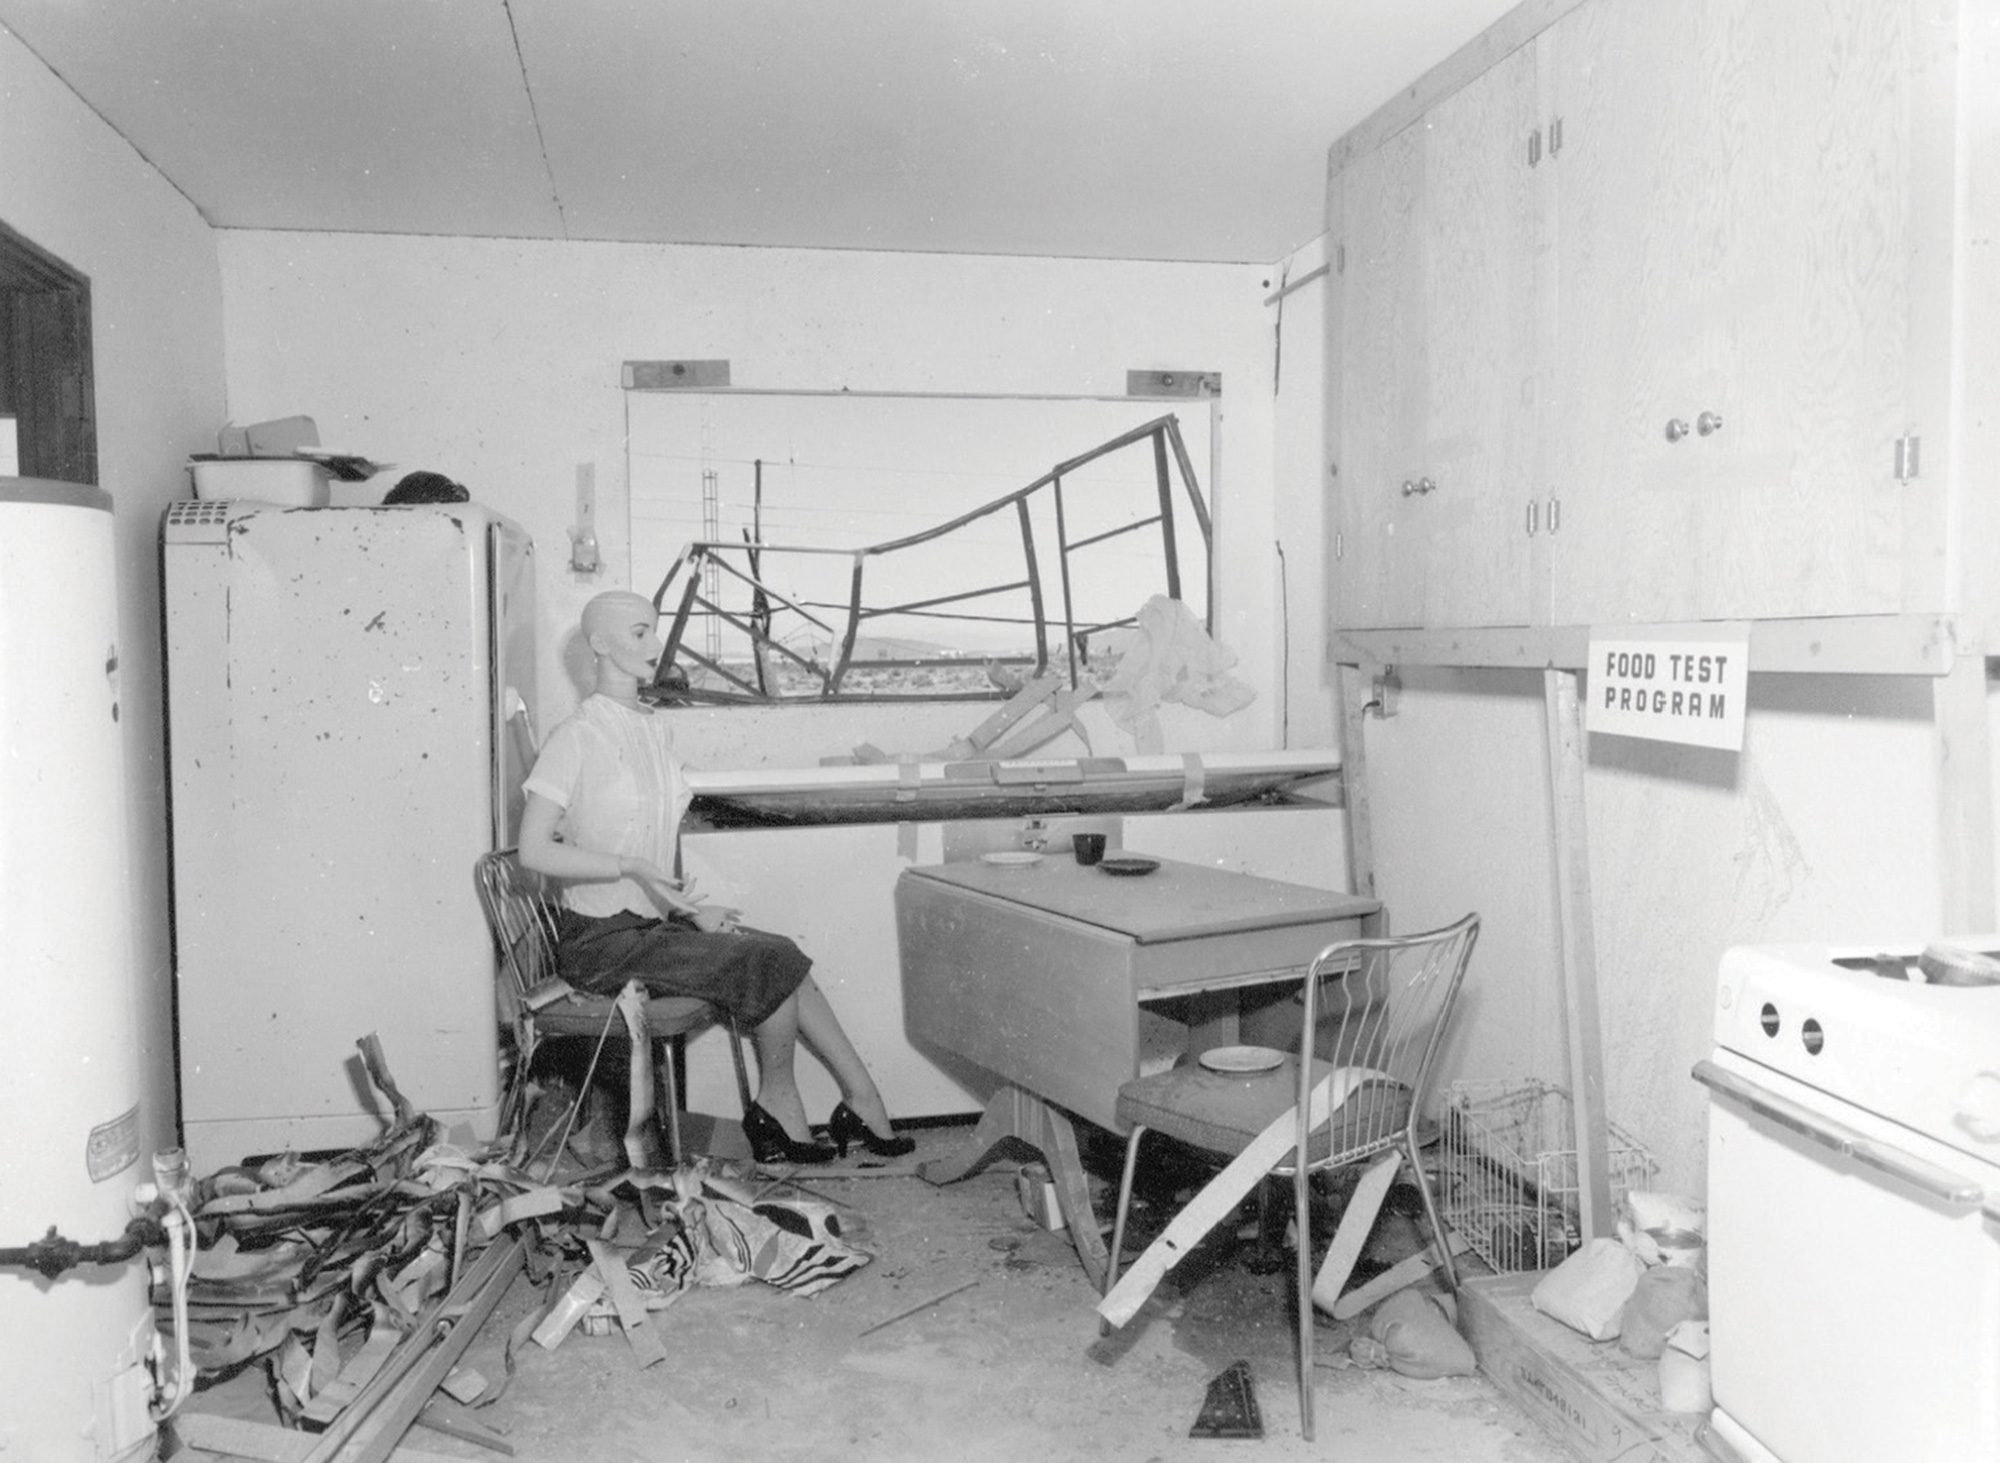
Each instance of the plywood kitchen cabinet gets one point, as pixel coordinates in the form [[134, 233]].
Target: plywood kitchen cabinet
[[1733, 256], [1647, 307], [1436, 312]]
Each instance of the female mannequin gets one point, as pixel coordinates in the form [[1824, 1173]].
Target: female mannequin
[[604, 807]]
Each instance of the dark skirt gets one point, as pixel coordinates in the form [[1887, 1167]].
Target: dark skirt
[[746, 972]]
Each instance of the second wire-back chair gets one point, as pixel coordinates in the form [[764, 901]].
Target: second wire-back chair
[[537, 1003], [1375, 1013]]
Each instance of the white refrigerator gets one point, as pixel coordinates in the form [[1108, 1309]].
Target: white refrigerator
[[347, 703]]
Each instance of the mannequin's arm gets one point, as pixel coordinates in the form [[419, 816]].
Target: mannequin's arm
[[543, 852]]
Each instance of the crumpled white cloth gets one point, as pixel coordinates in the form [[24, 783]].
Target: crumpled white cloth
[[1171, 658]]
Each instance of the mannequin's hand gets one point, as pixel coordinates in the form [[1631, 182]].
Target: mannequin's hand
[[666, 891], [717, 918]]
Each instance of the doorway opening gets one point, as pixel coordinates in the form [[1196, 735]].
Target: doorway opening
[[47, 395]]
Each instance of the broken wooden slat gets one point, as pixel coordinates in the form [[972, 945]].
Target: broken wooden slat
[[360, 1369], [1223, 1193], [1031, 694], [1398, 1276], [268, 1201], [453, 1423], [368, 1430], [532, 1204], [625, 1300], [565, 1313], [1355, 1222], [1059, 716], [266, 1442], [465, 1384]]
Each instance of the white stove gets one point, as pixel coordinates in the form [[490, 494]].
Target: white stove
[[1854, 1204]]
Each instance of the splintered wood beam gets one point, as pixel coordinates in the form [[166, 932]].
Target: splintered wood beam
[[1576, 951]]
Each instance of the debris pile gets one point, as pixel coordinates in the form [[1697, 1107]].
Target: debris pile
[[359, 1279]]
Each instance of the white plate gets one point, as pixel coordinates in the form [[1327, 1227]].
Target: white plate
[[1241, 1059], [1011, 858]]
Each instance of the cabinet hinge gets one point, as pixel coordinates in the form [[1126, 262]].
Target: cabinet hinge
[[1534, 147], [1339, 545], [1555, 135], [1340, 258], [1907, 447]]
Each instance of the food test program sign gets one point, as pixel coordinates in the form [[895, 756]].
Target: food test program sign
[[1681, 689]]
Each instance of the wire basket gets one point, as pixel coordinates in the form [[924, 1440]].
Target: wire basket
[[1508, 1171]]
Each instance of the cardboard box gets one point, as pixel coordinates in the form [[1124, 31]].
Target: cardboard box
[[1599, 1403]]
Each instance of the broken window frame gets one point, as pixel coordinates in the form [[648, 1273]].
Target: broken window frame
[[706, 561]]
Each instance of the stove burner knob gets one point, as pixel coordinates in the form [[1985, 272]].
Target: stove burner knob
[[1768, 1019], [1978, 1107]]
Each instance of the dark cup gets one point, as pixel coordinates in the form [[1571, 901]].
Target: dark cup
[[1089, 847]]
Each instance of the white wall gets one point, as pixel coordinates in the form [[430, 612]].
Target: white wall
[[498, 363], [1821, 830], [75, 188]]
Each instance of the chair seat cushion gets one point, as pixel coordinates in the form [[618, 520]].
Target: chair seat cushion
[[1223, 1111], [583, 1015]]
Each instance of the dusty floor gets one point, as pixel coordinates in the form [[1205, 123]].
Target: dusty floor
[[1011, 1368]]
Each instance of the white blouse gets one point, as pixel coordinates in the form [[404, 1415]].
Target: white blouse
[[612, 771]]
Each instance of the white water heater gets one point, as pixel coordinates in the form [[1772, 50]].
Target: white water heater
[[74, 1383]]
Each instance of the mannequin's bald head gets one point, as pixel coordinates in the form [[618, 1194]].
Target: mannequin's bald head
[[613, 612], [621, 629]]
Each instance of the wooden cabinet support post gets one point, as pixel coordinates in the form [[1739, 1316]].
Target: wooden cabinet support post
[[1965, 797], [1576, 950], [1354, 782]]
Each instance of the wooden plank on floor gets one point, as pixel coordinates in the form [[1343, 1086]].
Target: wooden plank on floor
[[266, 1442]]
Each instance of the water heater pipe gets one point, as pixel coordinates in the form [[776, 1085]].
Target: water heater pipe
[[52, 1254]]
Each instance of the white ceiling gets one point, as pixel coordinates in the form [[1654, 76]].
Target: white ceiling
[[1127, 129]]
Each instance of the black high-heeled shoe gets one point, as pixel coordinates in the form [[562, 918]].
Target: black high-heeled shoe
[[846, 1126], [770, 1143]]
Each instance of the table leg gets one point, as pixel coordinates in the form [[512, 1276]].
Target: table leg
[[1013, 1113]]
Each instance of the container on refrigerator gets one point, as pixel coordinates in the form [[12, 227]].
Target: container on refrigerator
[[346, 691]]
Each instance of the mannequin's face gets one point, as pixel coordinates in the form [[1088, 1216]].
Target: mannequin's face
[[626, 633]]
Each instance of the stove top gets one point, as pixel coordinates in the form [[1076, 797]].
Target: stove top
[[1908, 1032]]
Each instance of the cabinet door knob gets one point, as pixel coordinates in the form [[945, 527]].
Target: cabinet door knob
[[1408, 487], [1676, 429], [1708, 422], [1425, 485]]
